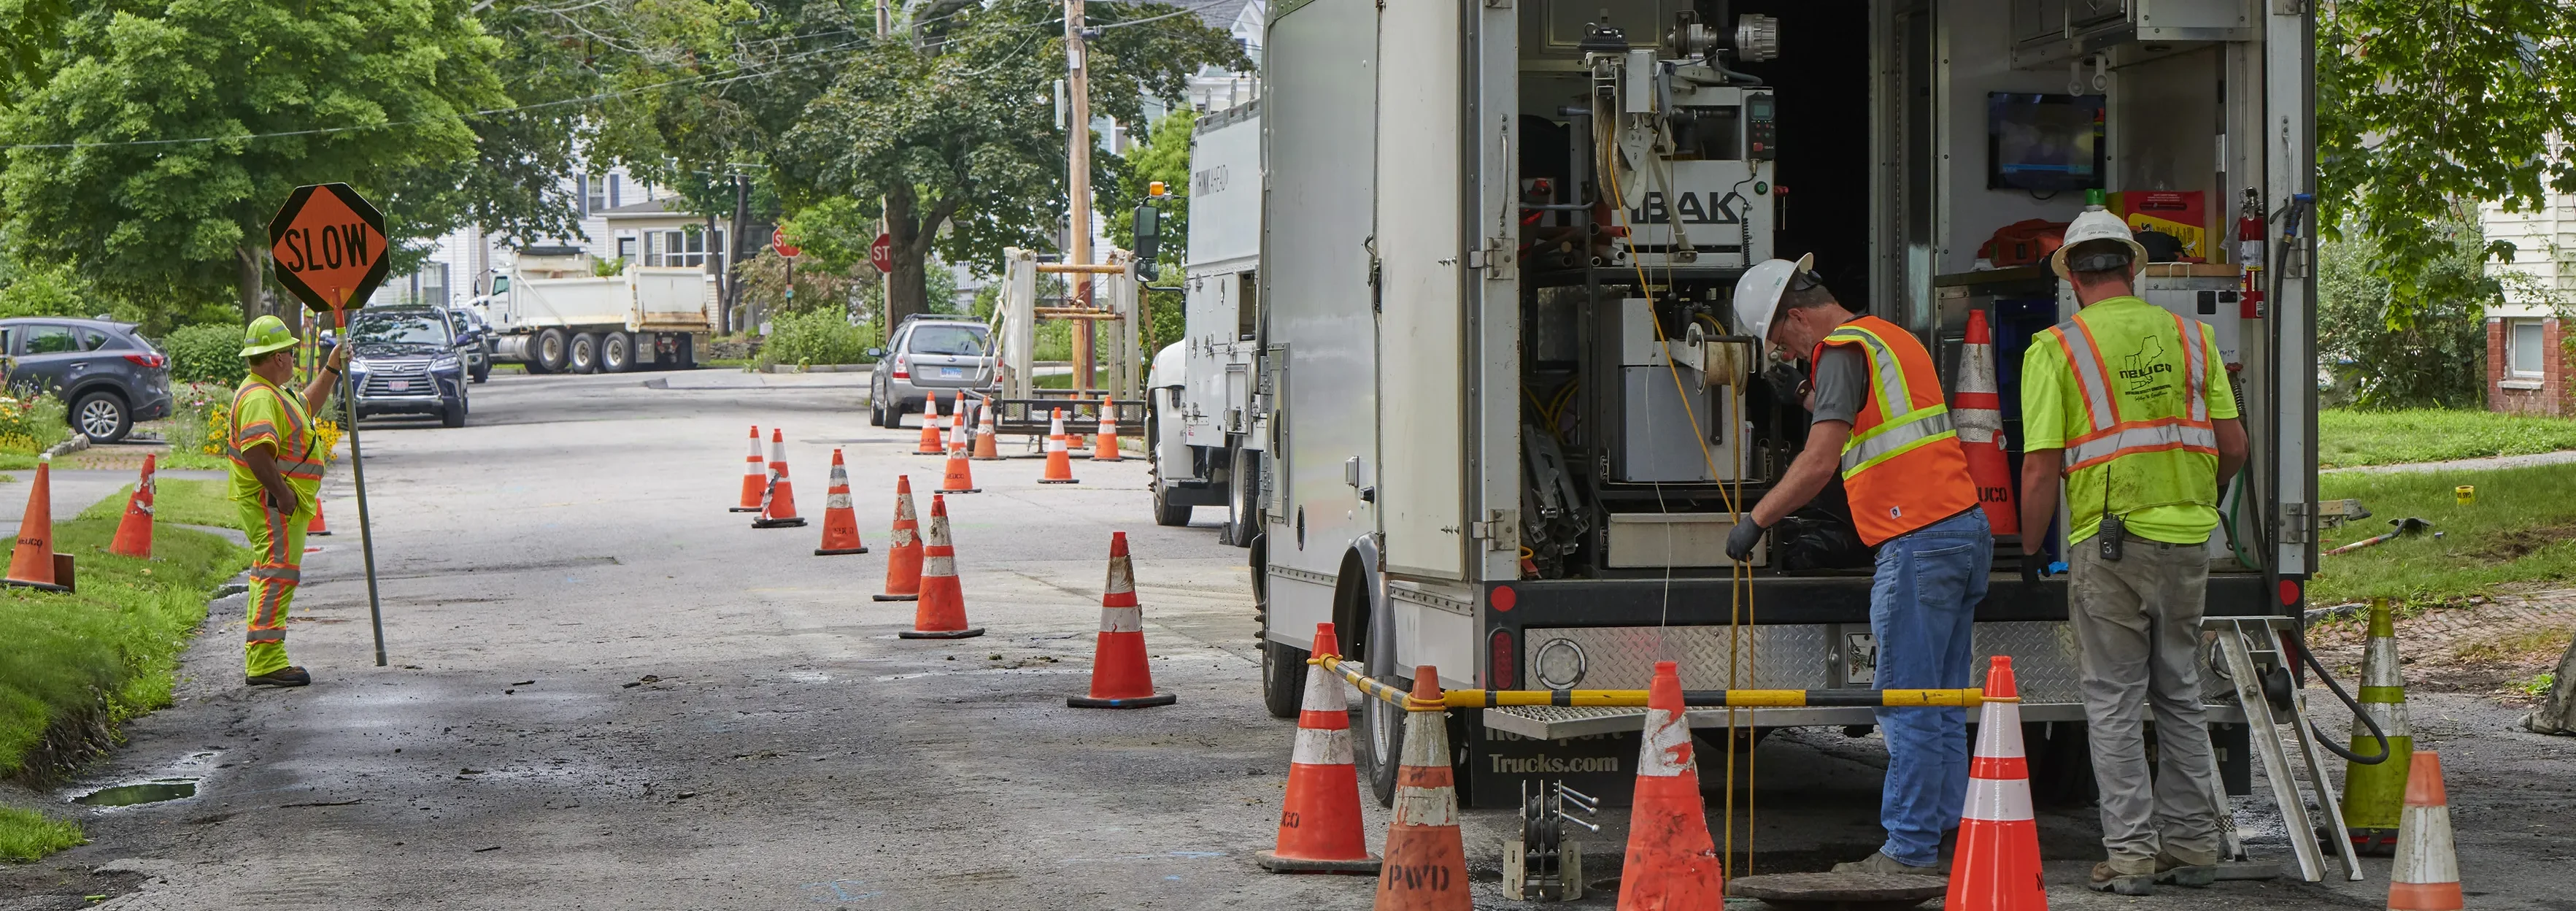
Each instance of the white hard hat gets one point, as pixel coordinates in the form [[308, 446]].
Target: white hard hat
[[1757, 294], [2097, 223]]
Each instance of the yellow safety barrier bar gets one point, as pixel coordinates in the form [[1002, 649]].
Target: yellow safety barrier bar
[[1467, 699]]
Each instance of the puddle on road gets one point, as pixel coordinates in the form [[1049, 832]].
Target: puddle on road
[[128, 795]]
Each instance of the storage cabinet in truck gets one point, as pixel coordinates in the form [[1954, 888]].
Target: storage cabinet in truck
[[1508, 419], [550, 312]]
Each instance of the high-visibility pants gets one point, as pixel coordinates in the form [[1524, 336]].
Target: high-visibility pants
[[277, 540]]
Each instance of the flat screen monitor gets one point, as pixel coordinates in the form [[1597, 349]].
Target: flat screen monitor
[[2043, 143]]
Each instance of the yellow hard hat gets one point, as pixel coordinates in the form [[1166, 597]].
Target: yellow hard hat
[[266, 334]]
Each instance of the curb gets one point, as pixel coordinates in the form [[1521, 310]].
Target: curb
[[77, 443]]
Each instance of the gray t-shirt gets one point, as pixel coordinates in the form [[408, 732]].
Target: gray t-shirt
[[1842, 384]]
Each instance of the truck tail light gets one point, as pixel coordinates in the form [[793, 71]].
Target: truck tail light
[[1498, 675], [147, 360]]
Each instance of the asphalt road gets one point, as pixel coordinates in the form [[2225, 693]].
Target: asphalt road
[[605, 691]]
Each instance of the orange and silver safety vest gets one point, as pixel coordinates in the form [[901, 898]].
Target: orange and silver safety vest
[[293, 441], [2158, 430], [1902, 466]]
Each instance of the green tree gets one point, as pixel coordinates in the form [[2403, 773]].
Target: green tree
[[2436, 355], [155, 139], [2422, 104], [952, 128]]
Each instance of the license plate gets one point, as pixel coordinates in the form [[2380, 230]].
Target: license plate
[[400, 385], [1860, 658], [950, 373]]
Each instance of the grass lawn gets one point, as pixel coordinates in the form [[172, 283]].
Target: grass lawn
[[2347, 438], [181, 500], [2522, 528], [81, 663]]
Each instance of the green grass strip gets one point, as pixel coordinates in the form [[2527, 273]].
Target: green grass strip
[[28, 835], [2348, 438], [2522, 528], [182, 500]]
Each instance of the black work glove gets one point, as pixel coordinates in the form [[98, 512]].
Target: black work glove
[[1739, 543]]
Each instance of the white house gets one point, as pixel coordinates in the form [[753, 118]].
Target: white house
[[2526, 362]]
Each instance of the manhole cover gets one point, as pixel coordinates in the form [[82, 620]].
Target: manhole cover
[[1839, 891]]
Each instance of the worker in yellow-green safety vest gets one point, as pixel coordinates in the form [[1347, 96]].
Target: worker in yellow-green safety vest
[[2130, 405], [276, 477]]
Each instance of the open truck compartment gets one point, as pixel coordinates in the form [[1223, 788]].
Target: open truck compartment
[[1510, 419]]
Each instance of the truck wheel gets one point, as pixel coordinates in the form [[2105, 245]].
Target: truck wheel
[[583, 356], [549, 351], [616, 353], [1166, 512], [1283, 679], [1243, 486], [1381, 734]]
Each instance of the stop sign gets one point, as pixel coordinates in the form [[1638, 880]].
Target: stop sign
[[881, 253], [778, 242], [329, 246]]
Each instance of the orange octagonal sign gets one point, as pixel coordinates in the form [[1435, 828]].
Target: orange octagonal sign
[[329, 245]]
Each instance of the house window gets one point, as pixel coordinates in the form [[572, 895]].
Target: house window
[[626, 249], [433, 284], [613, 187], [680, 247], [594, 194], [2523, 350]]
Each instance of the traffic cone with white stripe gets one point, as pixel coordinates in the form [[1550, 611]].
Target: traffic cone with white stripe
[[317, 528], [1105, 447], [134, 533], [840, 522], [1997, 865], [2374, 795], [1059, 466], [1976, 410], [1120, 678], [1319, 820], [931, 431], [2426, 875], [903, 563], [755, 476], [778, 500], [988, 443], [1672, 862], [941, 613], [1426, 856], [960, 476], [31, 562]]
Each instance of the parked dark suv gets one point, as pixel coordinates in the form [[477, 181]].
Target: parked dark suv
[[409, 360], [108, 375]]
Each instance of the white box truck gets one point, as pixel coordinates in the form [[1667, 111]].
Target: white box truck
[[1508, 421], [1204, 432], [550, 312]]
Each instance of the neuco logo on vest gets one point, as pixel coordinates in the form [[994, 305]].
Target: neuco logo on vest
[[2145, 371]]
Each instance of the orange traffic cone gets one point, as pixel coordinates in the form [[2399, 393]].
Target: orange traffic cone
[[956, 438], [134, 534], [1319, 821], [1977, 412], [903, 563], [960, 477], [1105, 447], [840, 524], [318, 528], [1997, 864], [1120, 678], [2426, 876], [942, 611], [930, 430], [1059, 467], [755, 477], [1672, 863], [988, 445], [778, 500], [1426, 857], [31, 563]]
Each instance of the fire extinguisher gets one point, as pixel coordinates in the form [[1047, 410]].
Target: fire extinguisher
[[2249, 254]]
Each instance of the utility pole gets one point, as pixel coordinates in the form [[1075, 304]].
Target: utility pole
[[885, 299], [1078, 134], [733, 252]]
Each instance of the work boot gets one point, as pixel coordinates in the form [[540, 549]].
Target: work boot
[[2175, 871], [288, 676], [2126, 877], [1879, 862]]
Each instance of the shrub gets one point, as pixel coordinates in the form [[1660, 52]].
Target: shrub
[[815, 337], [206, 353]]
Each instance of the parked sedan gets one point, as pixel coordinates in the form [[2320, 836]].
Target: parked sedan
[[408, 361], [110, 376], [930, 355]]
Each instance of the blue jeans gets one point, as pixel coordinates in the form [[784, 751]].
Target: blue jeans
[[1922, 608]]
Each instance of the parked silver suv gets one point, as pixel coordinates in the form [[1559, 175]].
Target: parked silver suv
[[930, 354]]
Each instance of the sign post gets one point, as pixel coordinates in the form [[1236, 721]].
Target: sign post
[[786, 251], [330, 250]]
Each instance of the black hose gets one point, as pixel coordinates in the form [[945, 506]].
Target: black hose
[[2299, 640]]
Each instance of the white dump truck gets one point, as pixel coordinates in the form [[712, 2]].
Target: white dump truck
[[551, 312], [1204, 430], [1506, 417]]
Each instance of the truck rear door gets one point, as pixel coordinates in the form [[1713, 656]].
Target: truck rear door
[[1425, 169]]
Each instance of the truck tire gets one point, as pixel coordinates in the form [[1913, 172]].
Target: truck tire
[[550, 351], [1283, 679], [582, 356], [1380, 737], [1166, 512], [616, 352], [1243, 486]]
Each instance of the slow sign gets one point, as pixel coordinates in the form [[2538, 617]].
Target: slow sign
[[329, 246]]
